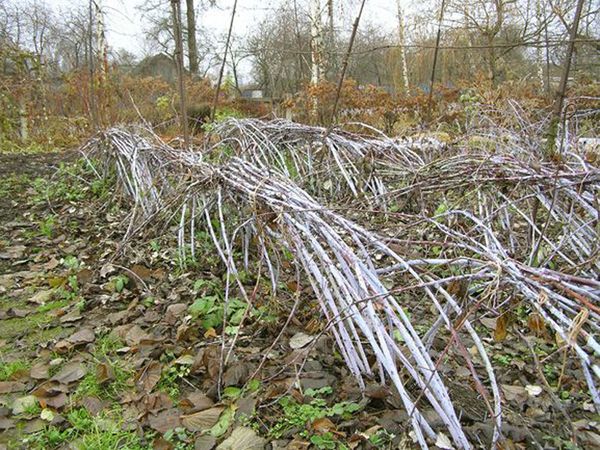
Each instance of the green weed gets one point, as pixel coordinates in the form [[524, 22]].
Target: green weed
[[13, 369], [95, 383], [47, 226], [297, 415], [170, 378], [85, 432]]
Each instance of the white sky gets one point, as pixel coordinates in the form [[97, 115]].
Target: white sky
[[124, 23]]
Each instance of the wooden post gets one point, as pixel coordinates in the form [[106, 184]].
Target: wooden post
[[218, 89], [435, 57], [345, 67], [562, 88], [176, 7]]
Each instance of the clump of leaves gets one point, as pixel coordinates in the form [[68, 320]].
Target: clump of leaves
[[119, 283], [210, 310], [381, 439]]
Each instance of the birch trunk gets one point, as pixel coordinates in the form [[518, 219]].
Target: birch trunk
[[539, 58], [402, 43], [316, 44]]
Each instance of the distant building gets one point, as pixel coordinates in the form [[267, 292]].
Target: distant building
[[252, 92], [160, 65]]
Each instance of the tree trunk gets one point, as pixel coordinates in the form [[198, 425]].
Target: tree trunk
[[23, 122], [539, 59], [92, 89], [333, 60], [191, 37], [402, 43], [316, 48], [176, 7]]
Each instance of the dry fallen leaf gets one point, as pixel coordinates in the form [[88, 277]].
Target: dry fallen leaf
[[202, 420], [501, 329], [56, 402], [243, 438], [69, 373], [165, 420], [300, 340], [104, 373], [6, 387], [194, 402], [443, 442], [136, 335], [205, 442], [42, 297], [533, 390], [514, 393], [211, 333], [92, 405], [536, 324], [40, 371], [6, 424], [83, 336], [323, 425], [150, 376]]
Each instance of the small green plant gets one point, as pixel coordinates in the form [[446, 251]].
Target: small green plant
[[381, 439], [325, 441], [171, 376], [13, 369], [297, 415], [91, 433], [70, 184], [47, 226], [550, 372], [33, 410], [503, 360], [120, 282], [108, 377], [155, 245], [179, 439], [70, 291], [221, 114], [107, 345], [51, 306], [71, 262], [210, 310]]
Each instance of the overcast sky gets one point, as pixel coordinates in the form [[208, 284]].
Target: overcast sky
[[124, 22]]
